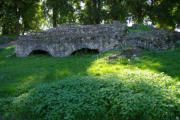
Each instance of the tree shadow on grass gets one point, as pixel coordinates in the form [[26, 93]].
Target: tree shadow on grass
[[18, 75]]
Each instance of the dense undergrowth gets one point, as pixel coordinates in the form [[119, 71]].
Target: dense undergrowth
[[127, 97], [89, 86]]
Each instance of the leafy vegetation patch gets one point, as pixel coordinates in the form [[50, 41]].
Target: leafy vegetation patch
[[118, 98]]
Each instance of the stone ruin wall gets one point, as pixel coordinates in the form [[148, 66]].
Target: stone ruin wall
[[66, 39]]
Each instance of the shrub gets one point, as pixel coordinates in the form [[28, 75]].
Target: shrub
[[133, 97]]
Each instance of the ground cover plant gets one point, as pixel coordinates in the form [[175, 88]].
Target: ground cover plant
[[97, 98], [89, 86]]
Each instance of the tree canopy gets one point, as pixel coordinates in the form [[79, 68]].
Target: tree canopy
[[21, 16]]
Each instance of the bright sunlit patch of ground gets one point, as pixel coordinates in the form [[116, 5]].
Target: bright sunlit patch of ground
[[103, 67]]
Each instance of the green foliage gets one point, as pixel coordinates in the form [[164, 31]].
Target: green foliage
[[5, 104], [62, 11], [93, 13], [164, 13], [141, 27], [138, 9], [122, 98], [32, 18], [16, 17], [117, 10]]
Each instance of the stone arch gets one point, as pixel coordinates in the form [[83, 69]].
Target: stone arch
[[85, 49], [40, 49], [39, 52]]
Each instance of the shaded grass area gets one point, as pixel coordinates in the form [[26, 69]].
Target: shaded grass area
[[19, 75]]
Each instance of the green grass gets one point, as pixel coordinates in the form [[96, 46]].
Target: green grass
[[32, 87], [19, 75], [141, 28]]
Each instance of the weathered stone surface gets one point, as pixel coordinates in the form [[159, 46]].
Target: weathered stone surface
[[155, 39], [128, 53], [65, 39]]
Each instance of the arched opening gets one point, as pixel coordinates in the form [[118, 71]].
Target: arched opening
[[85, 51], [39, 52]]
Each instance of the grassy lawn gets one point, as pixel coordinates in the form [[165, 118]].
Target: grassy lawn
[[19, 75]]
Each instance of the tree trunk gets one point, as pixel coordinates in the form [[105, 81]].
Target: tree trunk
[[17, 26], [55, 17], [97, 7], [115, 18]]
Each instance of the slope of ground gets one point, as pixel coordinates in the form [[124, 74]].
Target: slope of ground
[[19, 76]]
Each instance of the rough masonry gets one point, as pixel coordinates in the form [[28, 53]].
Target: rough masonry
[[66, 39]]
